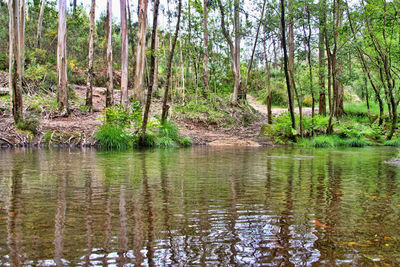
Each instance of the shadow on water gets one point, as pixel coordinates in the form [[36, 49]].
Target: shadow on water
[[199, 206]]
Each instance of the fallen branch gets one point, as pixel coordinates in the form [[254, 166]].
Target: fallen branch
[[6, 141]]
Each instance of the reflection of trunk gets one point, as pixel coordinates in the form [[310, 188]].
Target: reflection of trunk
[[149, 213], [124, 56], [62, 58], [14, 234], [165, 206], [285, 221], [206, 76], [89, 217], [40, 23], [60, 220], [140, 52], [232, 225], [107, 224], [15, 79], [123, 233], [110, 84], [165, 107], [89, 90]]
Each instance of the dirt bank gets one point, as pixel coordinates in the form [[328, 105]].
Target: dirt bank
[[79, 128]]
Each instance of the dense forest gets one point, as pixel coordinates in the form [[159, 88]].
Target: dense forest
[[335, 64]]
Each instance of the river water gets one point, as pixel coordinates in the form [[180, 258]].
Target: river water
[[200, 206]]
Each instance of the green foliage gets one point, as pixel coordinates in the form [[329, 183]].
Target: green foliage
[[28, 124], [325, 141], [281, 130], [394, 142], [118, 116], [114, 137]]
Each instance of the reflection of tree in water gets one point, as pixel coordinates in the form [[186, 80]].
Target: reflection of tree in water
[[60, 219], [148, 213], [170, 254], [332, 209], [14, 233], [107, 223], [89, 216]]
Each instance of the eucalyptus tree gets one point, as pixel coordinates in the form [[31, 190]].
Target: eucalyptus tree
[[89, 90], [62, 58], [15, 83], [234, 46], [165, 106], [124, 55], [110, 84], [40, 24], [141, 51]]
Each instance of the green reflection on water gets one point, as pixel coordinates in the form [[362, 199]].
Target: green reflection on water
[[202, 206]]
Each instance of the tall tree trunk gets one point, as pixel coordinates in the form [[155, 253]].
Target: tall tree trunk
[[15, 85], [165, 106], [155, 83], [110, 82], [253, 52], [124, 55], [153, 70], [290, 39], [238, 78], [234, 48], [206, 75], [89, 90], [73, 9], [131, 38], [321, 58], [268, 70], [40, 23], [62, 58], [22, 39], [308, 48], [182, 69], [285, 62], [140, 54]]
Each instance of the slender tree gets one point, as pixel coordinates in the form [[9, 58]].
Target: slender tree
[[253, 51], [140, 52], [21, 43], [40, 23], [110, 83], [206, 75], [234, 48], [89, 90], [15, 85], [152, 69], [62, 58], [124, 55], [285, 64], [321, 58], [165, 106]]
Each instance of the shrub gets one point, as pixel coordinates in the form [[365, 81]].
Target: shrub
[[110, 136], [394, 142], [28, 124], [118, 116]]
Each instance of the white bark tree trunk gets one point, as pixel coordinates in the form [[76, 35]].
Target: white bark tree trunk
[[110, 84], [40, 23], [124, 55], [140, 54], [62, 58], [89, 91]]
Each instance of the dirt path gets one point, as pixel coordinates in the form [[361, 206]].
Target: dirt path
[[275, 111]]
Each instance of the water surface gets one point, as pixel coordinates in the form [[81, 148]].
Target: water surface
[[200, 206]]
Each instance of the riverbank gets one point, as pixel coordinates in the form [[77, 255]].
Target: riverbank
[[79, 128]]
